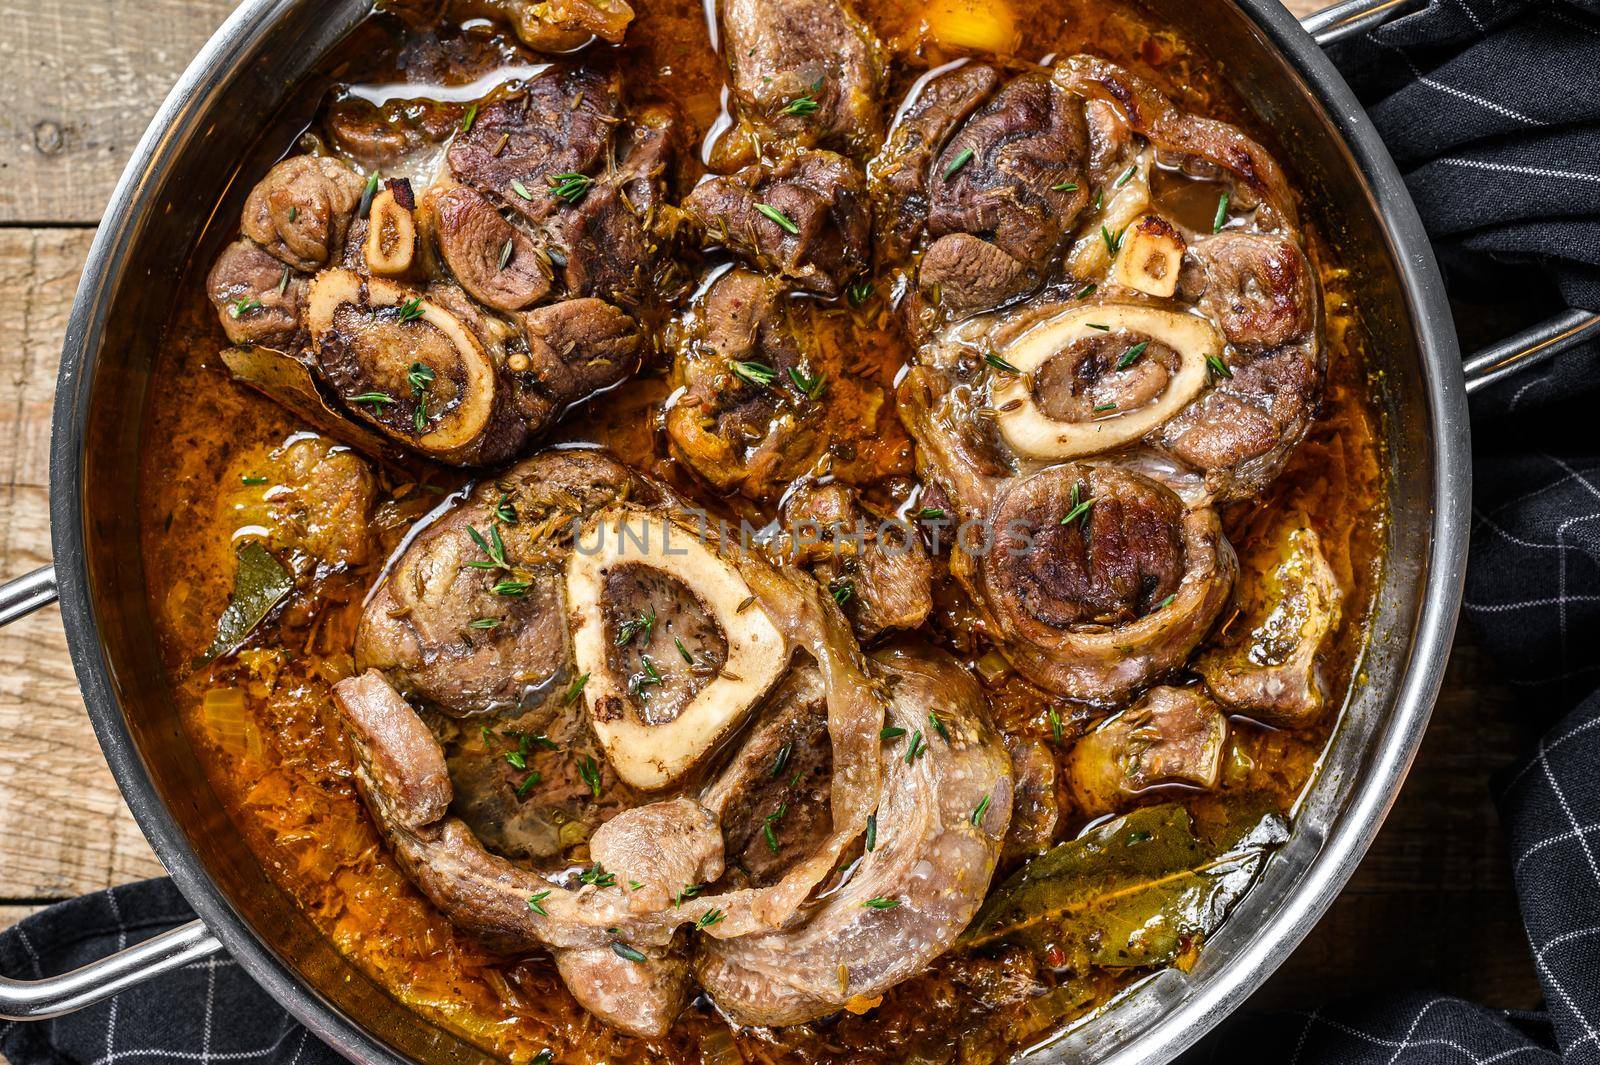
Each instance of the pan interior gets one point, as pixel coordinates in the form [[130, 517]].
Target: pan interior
[[123, 312]]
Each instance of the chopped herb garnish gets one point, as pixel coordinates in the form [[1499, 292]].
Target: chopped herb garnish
[[419, 417], [244, 305], [570, 187], [781, 761], [377, 399], [804, 104], [878, 902], [1221, 217], [534, 903], [890, 732], [484, 623], [810, 387], [283, 281], [930, 513], [504, 510], [778, 217], [756, 373], [469, 118], [575, 690], [938, 725], [1086, 291], [597, 876], [365, 207], [494, 547], [516, 759], [1101, 408], [688, 891], [511, 589], [872, 832], [1079, 507], [917, 747], [544, 1057], [248, 479], [506, 250], [709, 918], [1097, 325], [771, 837], [842, 590], [1131, 356], [858, 295], [527, 784], [644, 623], [520, 189], [684, 651], [962, 159], [1064, 186], [635, 885], [1099, 198], [1217, 367], [1126, 176], [419, 376], [1000, 364], [1166, 602], [589, 770], [410, 311], [1113, 242], [625, 952], [982, 808], [1056, 727], [294, 212]]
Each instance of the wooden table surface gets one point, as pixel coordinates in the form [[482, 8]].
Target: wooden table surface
[[1431, 906]]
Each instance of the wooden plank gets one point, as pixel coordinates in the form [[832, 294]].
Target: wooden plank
[[64, 829], [82, 79]]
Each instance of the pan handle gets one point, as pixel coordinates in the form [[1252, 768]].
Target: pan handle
[[28, 1000], [1351, 17]]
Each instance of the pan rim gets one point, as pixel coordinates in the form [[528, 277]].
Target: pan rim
[[1351, 834]]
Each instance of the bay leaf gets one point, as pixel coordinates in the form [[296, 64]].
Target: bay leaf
[[1130, 892], [259, 584]]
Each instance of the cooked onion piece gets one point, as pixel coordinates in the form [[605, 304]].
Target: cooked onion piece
[[1269, 663], [653, 710], [371, 335], [1171, 736], [1095, 378]]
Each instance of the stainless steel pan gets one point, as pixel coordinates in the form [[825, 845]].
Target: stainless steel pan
[[256, 73]]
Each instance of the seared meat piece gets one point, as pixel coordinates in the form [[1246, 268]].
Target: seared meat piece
[[1081, 545], [520, 147], [939, 822], [1240, 432], [809, 70], [900, 172], [259, 300], [640, 997], [319, 499], [1011, 176], [738, 424], [1036, 809], [561, 26], [396, 751], [772, 799], [497, 263], [665, 847], [1171, 736], [576, 348], [1093, 580], [418, 625], [613, 237], [805, 218], [965, 274], [1269, 662], [302, 209], [877, 569], [1258, 181]]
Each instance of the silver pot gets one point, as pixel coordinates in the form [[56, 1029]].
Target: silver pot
[[257, 73]]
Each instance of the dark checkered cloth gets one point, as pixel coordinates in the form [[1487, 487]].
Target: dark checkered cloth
[[1492, 109]]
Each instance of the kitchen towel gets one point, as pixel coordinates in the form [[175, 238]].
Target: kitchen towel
[[1492, 110]]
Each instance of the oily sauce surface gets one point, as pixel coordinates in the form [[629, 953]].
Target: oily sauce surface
[[263, 722]]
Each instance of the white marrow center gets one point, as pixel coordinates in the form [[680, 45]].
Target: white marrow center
[[1033, 433], [474, 370], [652, 756]]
